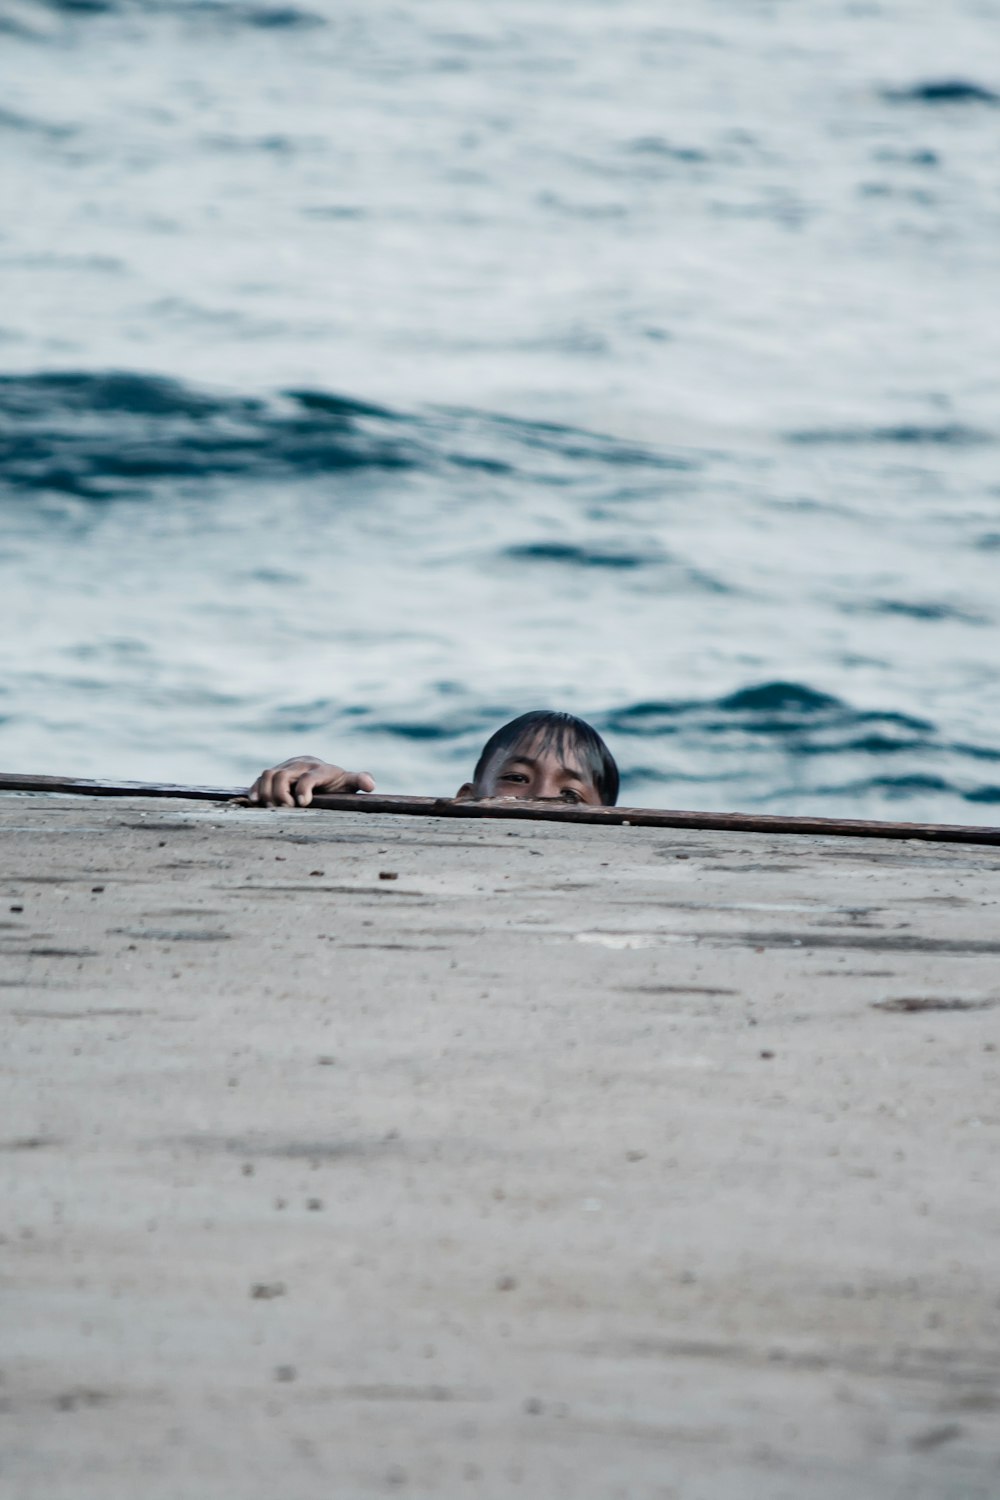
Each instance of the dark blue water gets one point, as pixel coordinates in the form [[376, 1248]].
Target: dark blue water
[[373, 372]]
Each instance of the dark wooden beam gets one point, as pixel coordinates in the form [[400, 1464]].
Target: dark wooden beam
[[77, 787]]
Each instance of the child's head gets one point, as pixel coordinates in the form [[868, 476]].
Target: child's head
[[546, 755]]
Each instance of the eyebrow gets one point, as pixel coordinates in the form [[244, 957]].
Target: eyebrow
[[528, 760]]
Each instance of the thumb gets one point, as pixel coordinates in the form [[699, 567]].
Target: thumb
[[359, 781]]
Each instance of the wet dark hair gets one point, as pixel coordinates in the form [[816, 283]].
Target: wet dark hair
[[556, 731]]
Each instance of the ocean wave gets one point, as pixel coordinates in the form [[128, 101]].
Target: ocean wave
[[233, 12], [660, 149], [908, 434], [904, 788], [919, 610], [460, 728], [105, 435], [810, 721], [983, 794], [111, 434], [942, 91], [618, 557], [791, 697], [20, 124], [579, 556], [763, 708]]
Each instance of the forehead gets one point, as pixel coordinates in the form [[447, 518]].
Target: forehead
[[550, 746]]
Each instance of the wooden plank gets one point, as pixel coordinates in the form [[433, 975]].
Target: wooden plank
[[551, 812], [80, 787], [656, 817]]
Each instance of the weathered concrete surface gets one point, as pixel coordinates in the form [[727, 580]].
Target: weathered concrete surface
[[571, 1162]]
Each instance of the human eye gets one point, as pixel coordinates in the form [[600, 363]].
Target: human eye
[[516, 776], [569, 795]]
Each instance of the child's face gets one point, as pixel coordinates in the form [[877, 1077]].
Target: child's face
[[536, 772]]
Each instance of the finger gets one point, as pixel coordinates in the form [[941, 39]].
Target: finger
[[333, 779], [281, 789], [305, 786], [265, 783], [320, 780], [253, 792]]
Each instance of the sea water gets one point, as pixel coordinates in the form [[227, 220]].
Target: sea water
[[372, 372]]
